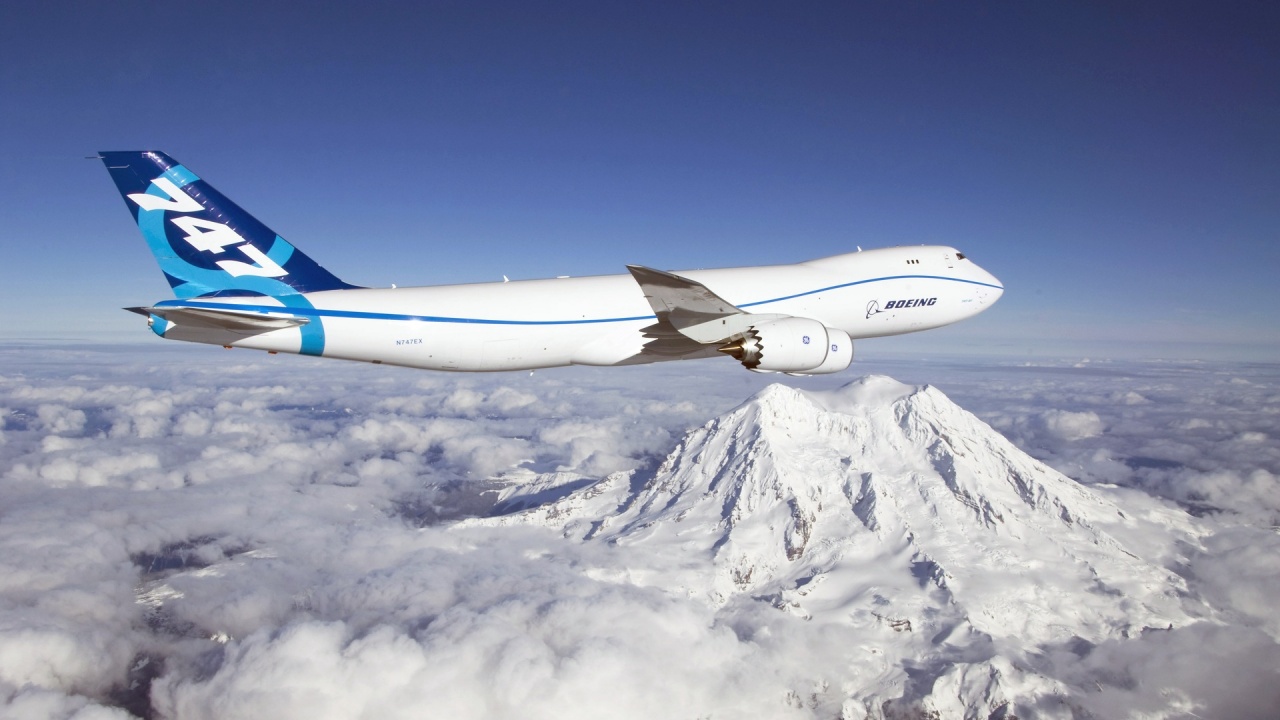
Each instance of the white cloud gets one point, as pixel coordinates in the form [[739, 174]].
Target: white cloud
[[1129, 398], [61, 419], [541, 653], [1164, 674], [1239, 571], [33, 703], [69, 658], [1072, 425], [93, 469], [279, 507], [193, 423]]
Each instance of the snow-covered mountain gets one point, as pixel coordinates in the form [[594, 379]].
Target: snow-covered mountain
[[887, 507]]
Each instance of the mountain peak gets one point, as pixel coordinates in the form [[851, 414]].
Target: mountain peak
[[866, 391], [881, 500]]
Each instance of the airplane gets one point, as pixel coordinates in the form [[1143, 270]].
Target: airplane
[[240, 285]]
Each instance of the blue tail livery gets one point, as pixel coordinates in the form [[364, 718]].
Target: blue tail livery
[[240, 285], [207, 245]]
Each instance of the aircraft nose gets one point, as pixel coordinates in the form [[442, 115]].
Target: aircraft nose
[[990, 288]]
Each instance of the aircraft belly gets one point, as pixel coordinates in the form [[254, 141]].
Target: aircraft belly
[[453, 346], [620, 346], [544, 346], [400, 342]]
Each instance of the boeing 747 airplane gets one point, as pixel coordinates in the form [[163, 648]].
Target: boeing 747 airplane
[[239, 284]]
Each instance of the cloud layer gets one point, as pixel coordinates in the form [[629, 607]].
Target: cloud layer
[[189, 533]]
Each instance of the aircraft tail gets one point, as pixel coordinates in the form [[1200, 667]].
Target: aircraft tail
[[205, 244]]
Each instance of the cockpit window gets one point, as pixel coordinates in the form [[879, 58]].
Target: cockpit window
[[959, 255]]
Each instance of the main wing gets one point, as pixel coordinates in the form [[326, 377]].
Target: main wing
[[688, 310], [692, 318]]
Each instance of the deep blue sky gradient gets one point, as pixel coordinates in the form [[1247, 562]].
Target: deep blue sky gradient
[[1116, 165]]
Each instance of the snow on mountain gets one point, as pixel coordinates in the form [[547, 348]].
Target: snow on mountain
[[889, 508]]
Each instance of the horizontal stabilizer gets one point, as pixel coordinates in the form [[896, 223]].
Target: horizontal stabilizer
[[240, 321]]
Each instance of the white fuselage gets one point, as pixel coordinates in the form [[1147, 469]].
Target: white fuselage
[[599, 320]]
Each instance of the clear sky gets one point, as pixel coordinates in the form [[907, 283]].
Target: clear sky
[[1117, 166]]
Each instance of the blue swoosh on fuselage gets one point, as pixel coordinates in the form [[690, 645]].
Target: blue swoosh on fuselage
[[361, 315]]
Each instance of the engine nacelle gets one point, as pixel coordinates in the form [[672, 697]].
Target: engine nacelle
[[793, 345], [839, 354]]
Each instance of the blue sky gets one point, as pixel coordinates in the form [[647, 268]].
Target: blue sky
[[1117, 167]]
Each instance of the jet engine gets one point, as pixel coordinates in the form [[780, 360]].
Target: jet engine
[[792, 345]]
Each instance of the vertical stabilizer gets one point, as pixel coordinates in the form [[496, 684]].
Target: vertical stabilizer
[[205, 244]]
